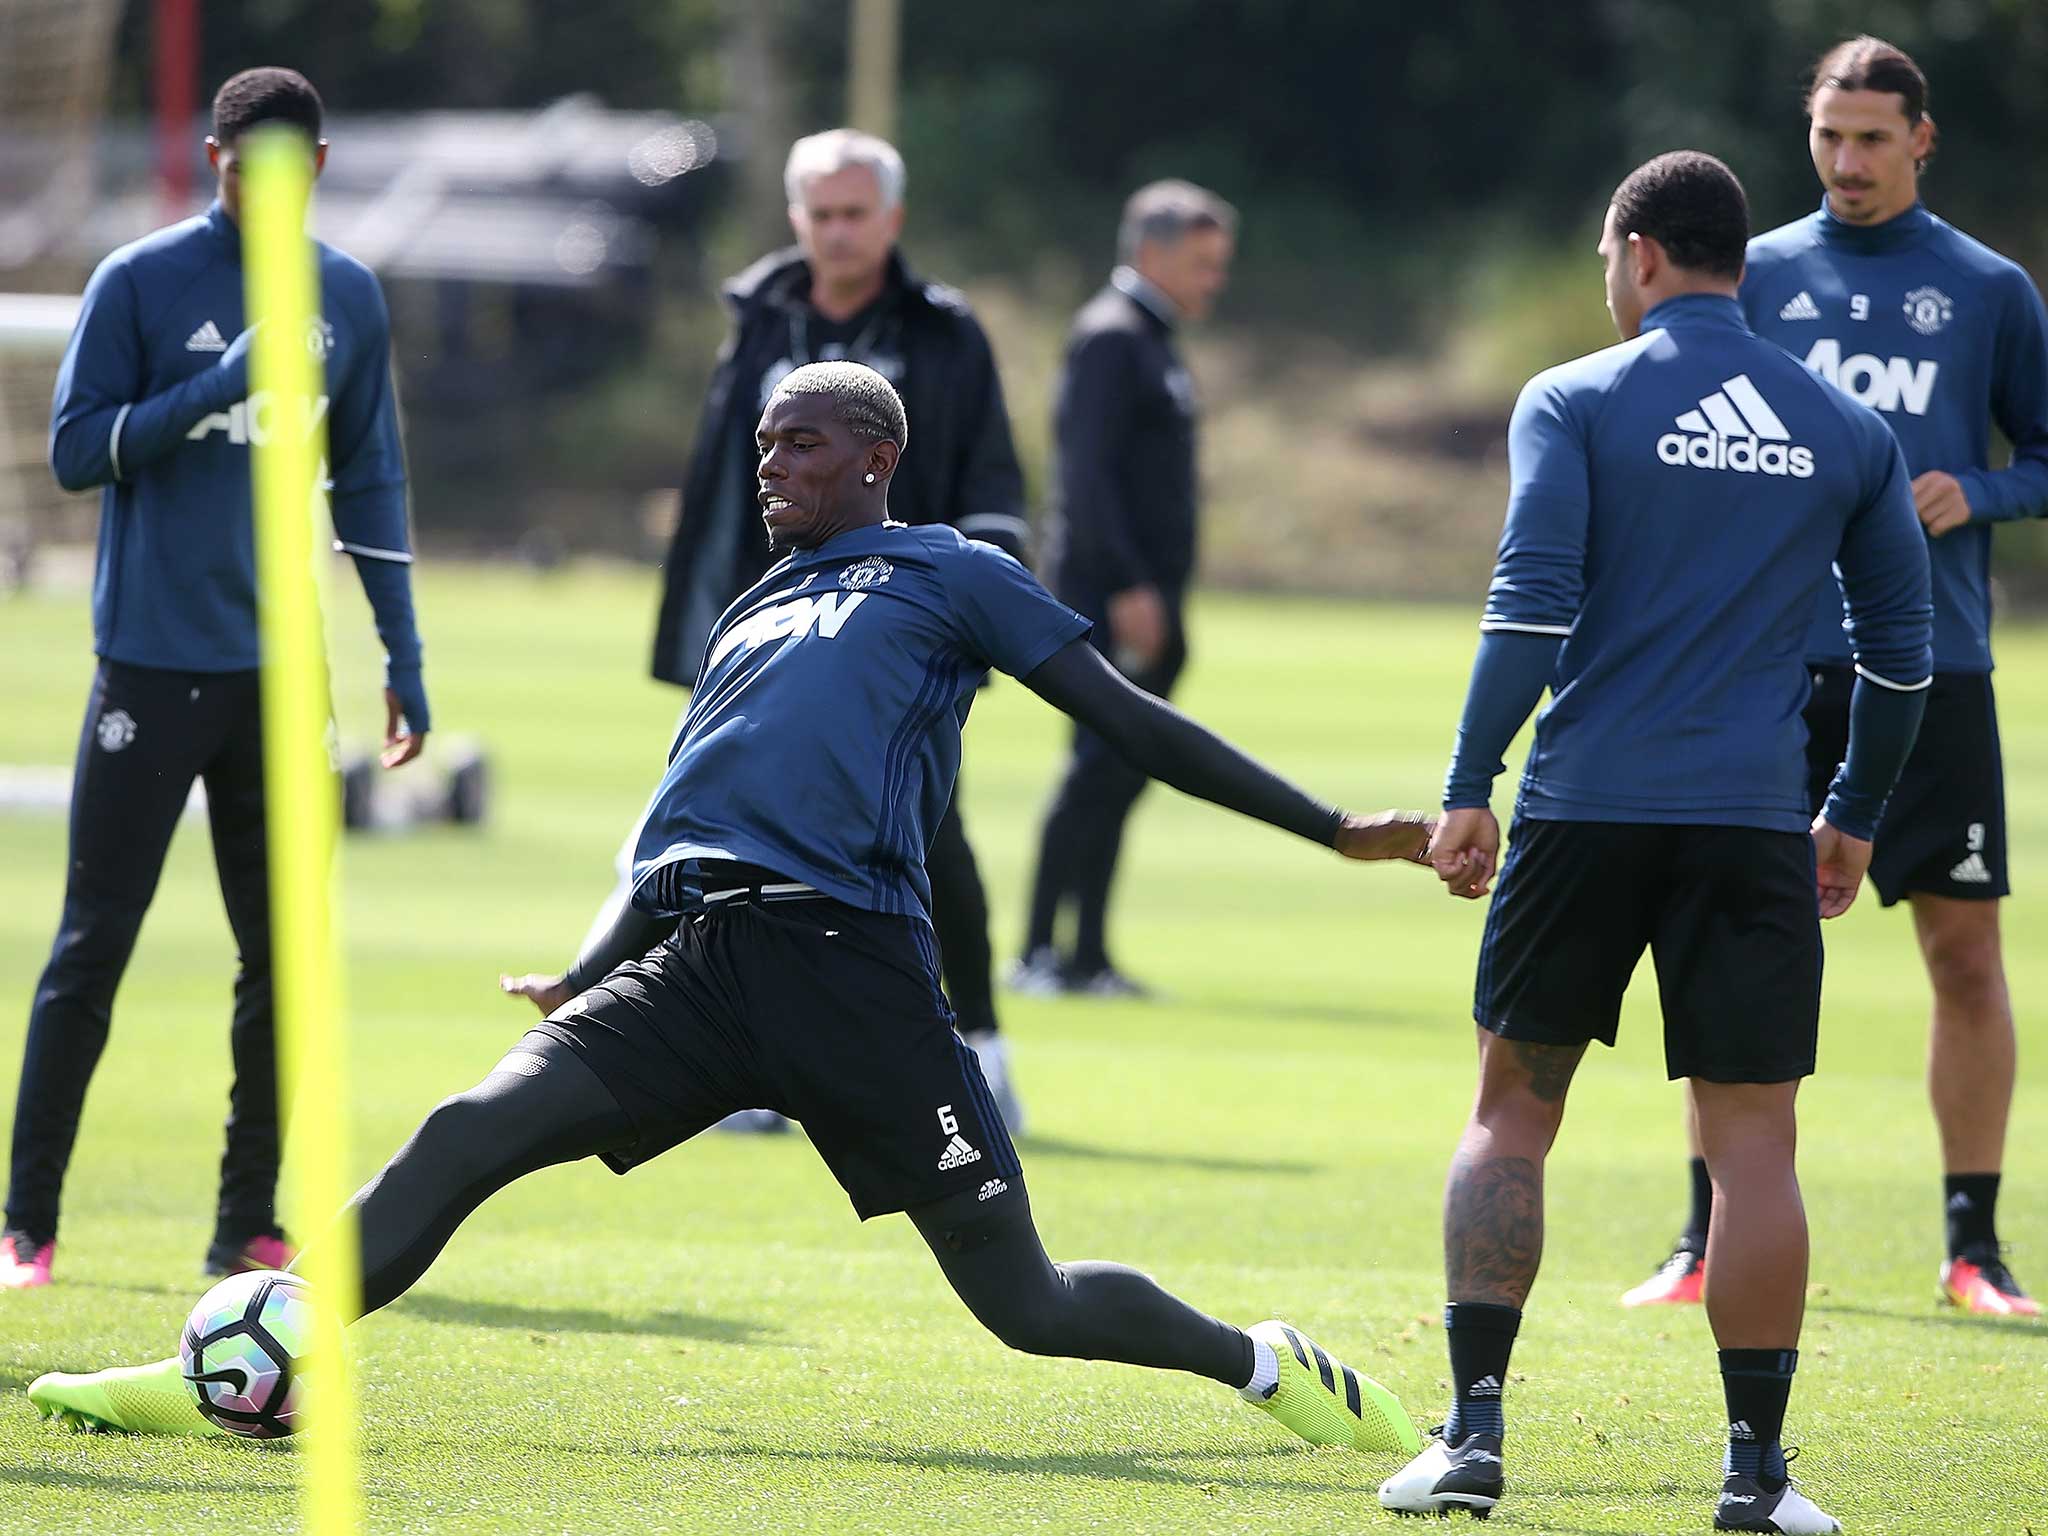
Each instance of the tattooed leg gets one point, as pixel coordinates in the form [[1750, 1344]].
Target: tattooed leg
[[1493, 1227], [1493, 1200]]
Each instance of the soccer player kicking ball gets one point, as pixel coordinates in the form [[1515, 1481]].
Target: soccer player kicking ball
[[1944, 336], [778, 951], [1677, 501]]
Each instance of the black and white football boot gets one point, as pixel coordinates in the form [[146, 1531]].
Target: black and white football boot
[[1746, 1505], [1468, 1476]]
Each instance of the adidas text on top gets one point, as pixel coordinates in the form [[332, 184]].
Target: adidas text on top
[[1735, 428]]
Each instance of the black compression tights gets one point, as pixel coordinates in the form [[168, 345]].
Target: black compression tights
[[540, 1106], [1089, 1310], [543, 1106]]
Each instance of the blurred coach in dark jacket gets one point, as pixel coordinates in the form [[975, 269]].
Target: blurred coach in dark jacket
[[843, 291], [1122, 541]]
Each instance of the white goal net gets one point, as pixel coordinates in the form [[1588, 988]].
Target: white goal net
[[55, 56]]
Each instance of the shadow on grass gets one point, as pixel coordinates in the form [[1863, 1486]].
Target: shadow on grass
[[1055, 1146], [499, 1314], [1307, 1013], [138, 1288], [1101, 1466], [2012, 1328], [122, 1482]]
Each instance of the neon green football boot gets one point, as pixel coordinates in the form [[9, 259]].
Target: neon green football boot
[[137, 1399], [1326, 1402]]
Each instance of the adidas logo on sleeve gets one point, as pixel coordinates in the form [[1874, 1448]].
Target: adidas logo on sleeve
[[1735, 429]]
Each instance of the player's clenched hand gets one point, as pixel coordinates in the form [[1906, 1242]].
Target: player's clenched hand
[[1389, 835], [1464, 850], [1940, 501], [1840, 862], [401, 745], [547, 993]]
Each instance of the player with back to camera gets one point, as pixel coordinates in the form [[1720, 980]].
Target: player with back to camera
[[1944, 337], [153, 404], [778, 950], [1678, 504]]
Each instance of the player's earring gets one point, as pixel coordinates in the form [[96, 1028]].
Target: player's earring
[[871, 477]]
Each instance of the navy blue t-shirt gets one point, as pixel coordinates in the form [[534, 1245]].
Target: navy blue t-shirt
[[1944, 337], [1677, 502], [823, 736]]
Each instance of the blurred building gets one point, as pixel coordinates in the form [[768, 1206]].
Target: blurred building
[[523, 254]]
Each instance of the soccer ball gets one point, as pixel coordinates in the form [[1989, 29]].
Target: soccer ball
[[241, 1353]]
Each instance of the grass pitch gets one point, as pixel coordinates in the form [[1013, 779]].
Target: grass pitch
[[715, 1343]]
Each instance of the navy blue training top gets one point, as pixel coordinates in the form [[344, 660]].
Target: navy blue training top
[[823, 736], [1944, 337], [152, 403], [1676, 503]]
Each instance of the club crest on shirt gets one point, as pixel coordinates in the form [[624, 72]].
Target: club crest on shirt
[[871, 572], [115, 730], [1928, 310]]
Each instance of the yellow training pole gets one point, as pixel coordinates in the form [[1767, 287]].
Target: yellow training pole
[[288, 438]]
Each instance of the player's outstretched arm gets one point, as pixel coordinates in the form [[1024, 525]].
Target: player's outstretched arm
[[1532, 605], [1165, 744], [1509, 674]]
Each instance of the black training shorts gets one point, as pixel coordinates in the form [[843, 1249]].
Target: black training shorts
[[829, 1013], [1943, 830], [1729, 914]]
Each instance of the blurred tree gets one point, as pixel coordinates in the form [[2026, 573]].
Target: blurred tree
[[1355, 134], [1390, 138], [417, 55], [1419, 178]]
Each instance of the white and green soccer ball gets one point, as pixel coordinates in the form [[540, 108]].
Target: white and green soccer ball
[[242, 1349]]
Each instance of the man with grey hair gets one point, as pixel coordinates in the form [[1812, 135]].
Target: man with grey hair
[[843, 292], [1122, 543]]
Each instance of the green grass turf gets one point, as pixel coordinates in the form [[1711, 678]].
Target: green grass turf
[[717, 1344]]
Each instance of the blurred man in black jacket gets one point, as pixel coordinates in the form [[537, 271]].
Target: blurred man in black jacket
[[1122, 541], [843, 292]]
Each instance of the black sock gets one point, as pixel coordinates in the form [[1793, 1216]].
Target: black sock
[[1694, 1238], [1972, 1206], [1481, 1336], [1757, 1384]]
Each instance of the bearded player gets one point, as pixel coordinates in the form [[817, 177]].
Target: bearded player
[[1944, 338]]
